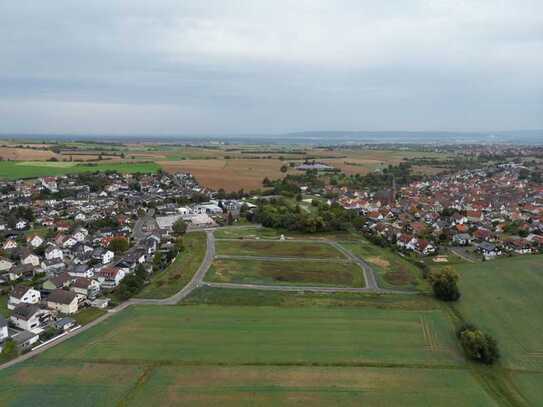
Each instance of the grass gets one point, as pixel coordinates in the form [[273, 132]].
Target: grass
[[181, 271], [238, 297], [277, 249], [33, 169], [4, 305], [270, 233], [275, 356], [266, 336], [87, 315], [504, 298], [286, 272], [392, 270]]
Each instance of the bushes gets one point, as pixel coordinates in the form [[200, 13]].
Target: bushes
[[477, 345], [444, 285]]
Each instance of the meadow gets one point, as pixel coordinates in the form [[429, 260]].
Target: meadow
[[392, 270], [504, 298], [277, 249], [296, 272], [11, 170]]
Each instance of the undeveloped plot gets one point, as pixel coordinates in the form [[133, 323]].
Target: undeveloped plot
[[318, 386], [313, 273], [262, 248], [230, 175]]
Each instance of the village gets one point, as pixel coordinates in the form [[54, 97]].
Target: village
[[68, 243]]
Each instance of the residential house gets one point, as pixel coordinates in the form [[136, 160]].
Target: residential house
[[34, 240], [53, 252], [488, 250], [30, 317], [462, 239], [4, 333], [109, 277], [5, 264], [85, 287], [63, 301], [63, 280], [22, 294], [22, 271], [10, 244], [27, 257]]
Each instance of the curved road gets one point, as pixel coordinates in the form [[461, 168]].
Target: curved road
[[197, 281]]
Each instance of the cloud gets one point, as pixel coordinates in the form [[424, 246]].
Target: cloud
[[270, 66]]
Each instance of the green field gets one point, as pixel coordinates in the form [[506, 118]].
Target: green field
[[181, 271], [392, 270], [270, 233], [277, 249], [505, 298], [286, 272], [33, 169]]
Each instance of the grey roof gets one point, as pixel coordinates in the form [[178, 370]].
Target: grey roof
[[3, 322], [24, 311]]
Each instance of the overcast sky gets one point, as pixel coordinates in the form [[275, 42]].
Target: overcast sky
[[202, 66]]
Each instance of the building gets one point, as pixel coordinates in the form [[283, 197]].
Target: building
[[109, 277], [63, 301], [21, 294], [30, 317]]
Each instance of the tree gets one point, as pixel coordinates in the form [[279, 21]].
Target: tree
[[284, 168], [478, 345], [119, 245], [179, 227], [444, 285], [179, 244], [10, 350]]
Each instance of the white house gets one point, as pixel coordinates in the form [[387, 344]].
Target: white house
[[21, 294], [30, 317], [31, 258], [63, 301], [53, 252], [10, 244], [5, 264], [109, 277], [20, 225], [69, 242], [85, 287], [107, 257], [34, 241], [4, 334]]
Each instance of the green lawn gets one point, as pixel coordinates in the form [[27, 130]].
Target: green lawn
[[505, 298], [87, 315], [34, 169], [277, 248], [530, 385], [181, 271], [4, 305], [286, 272], [392, 270]]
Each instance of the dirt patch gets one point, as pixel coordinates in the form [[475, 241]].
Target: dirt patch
[[380, 262]]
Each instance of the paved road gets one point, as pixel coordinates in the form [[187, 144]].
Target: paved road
[[195, 282]]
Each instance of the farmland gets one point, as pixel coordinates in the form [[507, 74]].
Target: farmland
[[504, 298], [298, 272], [276, 355], [33, 169], [277, 249]]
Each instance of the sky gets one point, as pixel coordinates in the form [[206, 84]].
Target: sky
[[257, 66]]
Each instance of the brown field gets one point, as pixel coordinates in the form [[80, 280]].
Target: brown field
[[231, 175], [25, 154]]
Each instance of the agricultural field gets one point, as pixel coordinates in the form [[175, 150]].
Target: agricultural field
[[392, 270], [504, 298], [32, 169], [296, 272], [276, 355], [277, 249], [181, 271]]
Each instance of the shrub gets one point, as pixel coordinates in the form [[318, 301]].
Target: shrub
[[477, 345], [444, 285]]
